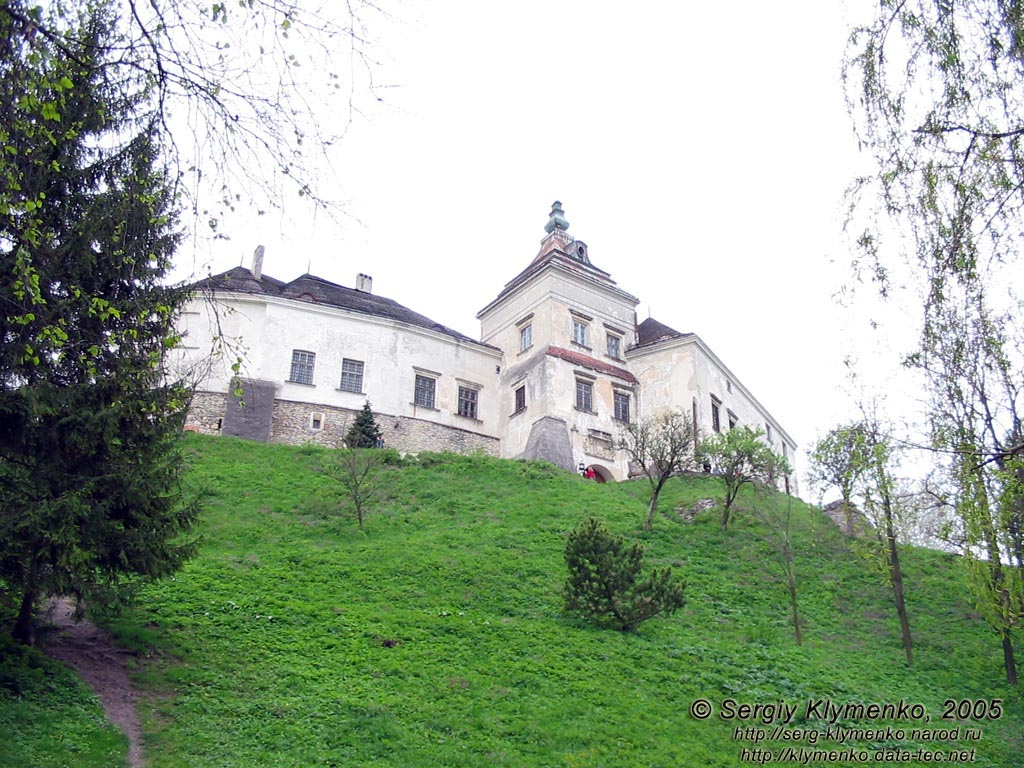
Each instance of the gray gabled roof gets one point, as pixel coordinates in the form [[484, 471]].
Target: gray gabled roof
[[650, 331], [316, 290]]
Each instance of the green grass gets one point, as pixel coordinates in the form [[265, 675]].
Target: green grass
[[435, 637], [48, 719]]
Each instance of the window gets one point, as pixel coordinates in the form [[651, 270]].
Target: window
[[579, 332], [316, 421], [733, 420], [768, 432], [351, 375], [728, 386], [525, 338], [520, 399], [467, 402], [622, 406], [614, 346], [716, 417], [424, 391], [584, 396], [302, 367]]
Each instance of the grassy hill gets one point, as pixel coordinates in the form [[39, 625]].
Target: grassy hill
[[435, 637]]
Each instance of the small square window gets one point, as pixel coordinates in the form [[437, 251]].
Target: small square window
[[316, 421], [424, 395], [584, 396], [351, 375], [579, 332], [520, 398], [614, 346], [302, 367], [622, 406], [467, 402], [525, 338]]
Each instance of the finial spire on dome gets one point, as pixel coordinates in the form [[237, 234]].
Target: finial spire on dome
[[557, 220]]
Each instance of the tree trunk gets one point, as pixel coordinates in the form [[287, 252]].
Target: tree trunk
[[791, 578], [652, 509], [24, 630], [896, 577], [1008, 658]]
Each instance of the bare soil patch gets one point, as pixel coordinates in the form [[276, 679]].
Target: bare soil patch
[[102, 664]]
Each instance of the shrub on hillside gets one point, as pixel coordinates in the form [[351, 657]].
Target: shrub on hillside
[[604, 582]]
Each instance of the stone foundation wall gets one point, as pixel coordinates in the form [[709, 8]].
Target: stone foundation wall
[[293, 424], [206, 413]]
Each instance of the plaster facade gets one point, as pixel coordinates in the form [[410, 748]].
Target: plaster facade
[[561, 365]]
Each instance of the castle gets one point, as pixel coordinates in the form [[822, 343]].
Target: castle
[[560, 367]]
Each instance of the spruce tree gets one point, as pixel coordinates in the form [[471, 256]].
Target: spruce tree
[[90, 498], [364, 432]]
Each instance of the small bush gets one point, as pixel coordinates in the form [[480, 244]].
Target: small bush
[[604, 585]]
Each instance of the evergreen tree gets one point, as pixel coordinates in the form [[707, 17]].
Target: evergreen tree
[[89, 470], [364, 432], [604, 582]]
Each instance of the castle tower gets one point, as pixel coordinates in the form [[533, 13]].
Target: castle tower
[[564, 326]]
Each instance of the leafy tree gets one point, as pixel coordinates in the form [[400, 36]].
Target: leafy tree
[[838, 460], [662, 446], [780, 534], [358, 471], [936, 92], [234, 86], [738, 457], [604, 579], [364, 432], [89, 467], [859, 458]]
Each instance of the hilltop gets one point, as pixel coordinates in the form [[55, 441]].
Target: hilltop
[[435, 636]]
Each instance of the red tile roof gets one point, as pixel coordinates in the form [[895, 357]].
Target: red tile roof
[[586, 361]]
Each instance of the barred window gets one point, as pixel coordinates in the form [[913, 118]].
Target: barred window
[[622, 406], [424, 391], [716, 417], [584, 395], [467, 402], [351, 375], [520, 398], [302, 367]]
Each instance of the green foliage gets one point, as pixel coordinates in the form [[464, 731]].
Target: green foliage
[[603, 583], [936, 92], [738, 457], [662, 446], [364, 432], [358, 471], [47, 716], [89, 470], [435, 638], [838, 459]]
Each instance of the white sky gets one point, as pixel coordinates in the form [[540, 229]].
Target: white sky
[[701, 150]]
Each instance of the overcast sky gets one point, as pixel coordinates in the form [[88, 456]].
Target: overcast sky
[[701, 150]]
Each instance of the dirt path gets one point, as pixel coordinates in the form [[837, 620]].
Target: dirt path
[[103, 666]]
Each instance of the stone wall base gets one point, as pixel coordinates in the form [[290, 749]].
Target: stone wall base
[[296, 423]]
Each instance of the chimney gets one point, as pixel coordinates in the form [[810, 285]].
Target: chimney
[[257, 262], [364, 283]]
